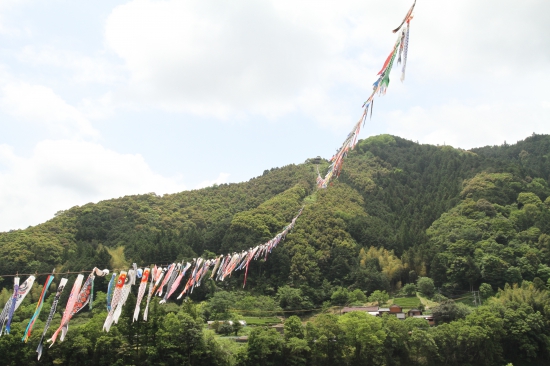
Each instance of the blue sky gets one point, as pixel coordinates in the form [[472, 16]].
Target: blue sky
[[107, 98]]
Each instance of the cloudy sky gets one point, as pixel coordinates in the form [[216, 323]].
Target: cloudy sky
[[100, 99]]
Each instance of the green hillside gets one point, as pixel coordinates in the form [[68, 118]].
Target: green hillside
[[392, 194], [403, 217]]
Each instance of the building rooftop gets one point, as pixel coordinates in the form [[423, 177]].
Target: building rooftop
[[347, 309]]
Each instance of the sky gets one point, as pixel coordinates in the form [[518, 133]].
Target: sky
[[104, 99]]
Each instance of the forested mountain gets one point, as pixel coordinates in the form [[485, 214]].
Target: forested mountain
[[399, 211], [433, 206]]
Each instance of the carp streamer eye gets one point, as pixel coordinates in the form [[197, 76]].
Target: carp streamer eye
[[121, 280]]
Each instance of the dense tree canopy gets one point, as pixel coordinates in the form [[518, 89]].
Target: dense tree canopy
[[432, 219]]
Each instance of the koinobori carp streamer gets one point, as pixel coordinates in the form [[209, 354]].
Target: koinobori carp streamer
[[380, 86]]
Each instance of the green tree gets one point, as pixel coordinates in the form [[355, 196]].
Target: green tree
[[397, 333], [513, 275], [364, 338], [409, 289], [292, 298], [220, 304], [265, 347], [357, 296], [224, 328], [297, 352], [494, 270], [340, 296], [293, 328], [539, 284], [459, 343], [449, 311], [326, 338], [485, 290], [379, 297], [421, 345], [426, 286], [180, 340]]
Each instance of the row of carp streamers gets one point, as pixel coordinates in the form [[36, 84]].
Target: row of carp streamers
[[166, 280], [399, 51], [162, 282]]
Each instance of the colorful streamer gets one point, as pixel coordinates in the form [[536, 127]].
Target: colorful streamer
[[380, 86], [38, 309], [141, 291], [167, 277], [154, 274], [167, 280], [176, 283], [13, 303], [60, 289], [117, 294], [110, 290], [19, 293], [407, 18], [84, 297], [175, 273], [73, 297], [130, 279]]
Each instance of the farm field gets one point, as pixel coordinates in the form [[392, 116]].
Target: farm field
[[407, 302]]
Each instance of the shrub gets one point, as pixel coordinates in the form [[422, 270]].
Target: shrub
[[426, 286]]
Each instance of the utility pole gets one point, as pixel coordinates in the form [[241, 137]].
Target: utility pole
[[477, 300]]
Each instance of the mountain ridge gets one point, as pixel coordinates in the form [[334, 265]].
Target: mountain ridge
[[389, 194]]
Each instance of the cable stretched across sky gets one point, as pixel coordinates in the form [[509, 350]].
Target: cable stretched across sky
[[167, 279], [380, 86]]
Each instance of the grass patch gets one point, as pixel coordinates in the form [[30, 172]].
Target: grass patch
[[428, 304], [407, 302], [118, 260], [311, 198], [466, 300], [261, 321]]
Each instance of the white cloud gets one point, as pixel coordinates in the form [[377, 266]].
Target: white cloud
[[468, 126], [233, 60], [63, 173], [5, 28], [237, 59], [98, 108], [215, 58], [84, 69], [477, 74], [480, 71], [222, 178], [7, 156], [38, 104], [493, 38]]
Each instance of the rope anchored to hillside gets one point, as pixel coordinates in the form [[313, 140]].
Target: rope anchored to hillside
[[380, 86]]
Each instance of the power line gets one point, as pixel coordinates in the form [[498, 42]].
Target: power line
[[74, 272]]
